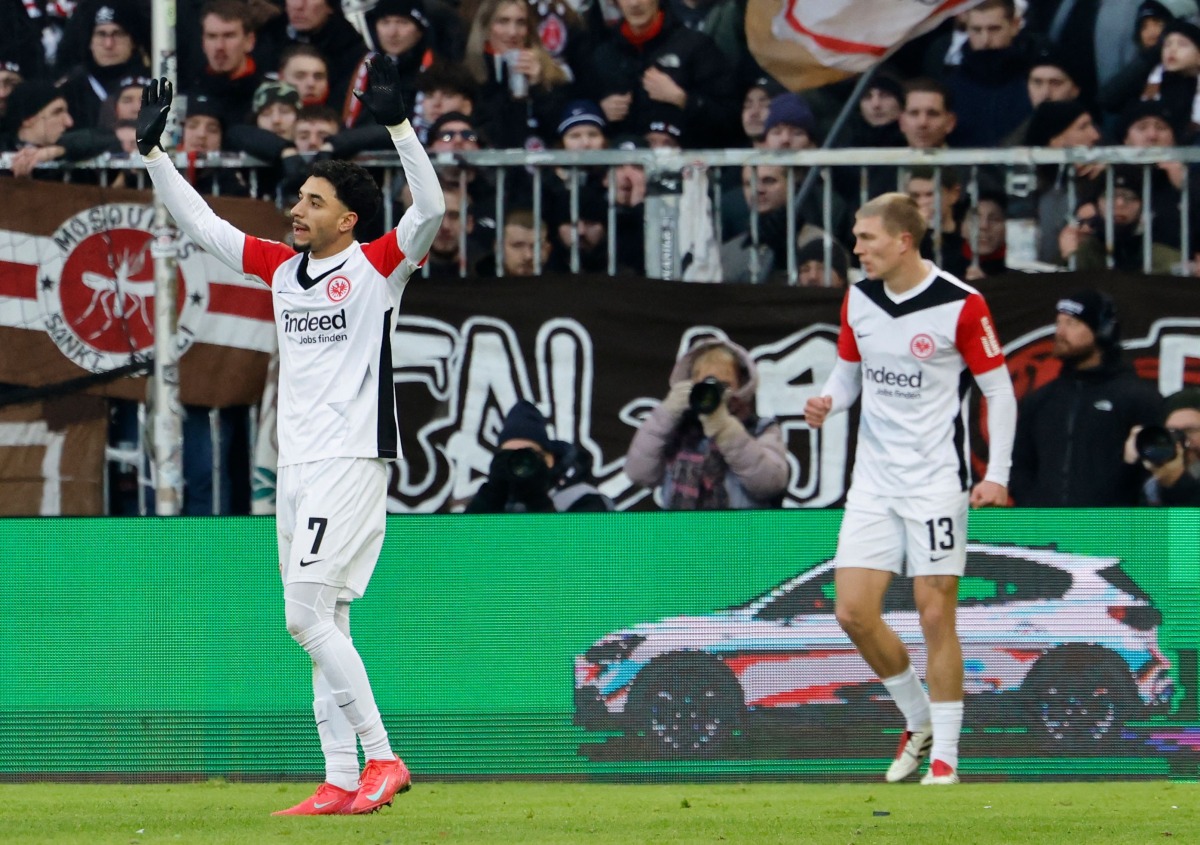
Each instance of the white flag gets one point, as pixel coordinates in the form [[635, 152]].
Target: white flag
[[805, 44]]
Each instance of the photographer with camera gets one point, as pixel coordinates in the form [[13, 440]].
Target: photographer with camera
[[1170, 453], [531, 473], [704, 446], [1071, 431]]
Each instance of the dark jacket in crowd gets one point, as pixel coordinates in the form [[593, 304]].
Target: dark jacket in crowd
[[571, 489], [1184, 493], [234, 94], [990, 95], [88, 85], [1069, 449], [512, 123], [338, 41], [711, 117]]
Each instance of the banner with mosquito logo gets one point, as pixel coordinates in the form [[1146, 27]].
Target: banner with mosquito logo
[[77, 293]]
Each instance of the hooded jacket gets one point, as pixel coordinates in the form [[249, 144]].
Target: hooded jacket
[[753, 449]]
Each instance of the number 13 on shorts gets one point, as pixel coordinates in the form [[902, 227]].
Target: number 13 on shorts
[[939, 547]]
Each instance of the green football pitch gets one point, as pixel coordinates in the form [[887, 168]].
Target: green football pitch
[[534, 813]]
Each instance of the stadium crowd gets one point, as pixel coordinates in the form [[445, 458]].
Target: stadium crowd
[[275, 79]]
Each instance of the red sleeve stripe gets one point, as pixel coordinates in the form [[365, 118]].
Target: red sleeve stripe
[[384, 253], [847, 346], [262, 258], [976, 336]]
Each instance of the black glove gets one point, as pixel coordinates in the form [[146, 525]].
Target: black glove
[[382, 97], [152, 119]]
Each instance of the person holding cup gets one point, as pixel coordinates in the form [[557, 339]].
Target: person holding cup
[[522, 89]]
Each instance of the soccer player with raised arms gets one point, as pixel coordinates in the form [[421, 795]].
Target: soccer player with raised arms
[[335, 303], [910, 335]]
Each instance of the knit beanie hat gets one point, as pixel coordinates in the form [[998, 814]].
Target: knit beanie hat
[[791, 109], [1094, 308], [1050, 119], [27, 99], [525, 422]]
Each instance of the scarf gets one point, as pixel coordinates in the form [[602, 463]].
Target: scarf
[[698, 471], [639, 40]]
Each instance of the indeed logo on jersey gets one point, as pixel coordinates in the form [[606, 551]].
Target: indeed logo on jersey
[[882, 375], [309, 325]]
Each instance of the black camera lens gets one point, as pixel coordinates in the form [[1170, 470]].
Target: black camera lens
[[523, 463], [1156, 445], [706, 395]]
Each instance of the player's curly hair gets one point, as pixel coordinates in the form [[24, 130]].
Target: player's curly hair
[[354, 186]]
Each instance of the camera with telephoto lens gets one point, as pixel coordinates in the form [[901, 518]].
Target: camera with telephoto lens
[[706, 395], [1157, 445], [520, 464]]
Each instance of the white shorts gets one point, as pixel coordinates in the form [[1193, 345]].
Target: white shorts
[[330, 519], [882, 532]]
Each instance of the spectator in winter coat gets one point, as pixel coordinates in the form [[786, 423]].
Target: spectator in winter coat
[[230, 76], [119, 37], [651, 58], [321, 24], [531, 473], [1070, 443], [402, 34], [989, 85], [522, 90], [704, 447]]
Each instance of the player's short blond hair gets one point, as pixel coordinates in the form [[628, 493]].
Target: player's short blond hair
[[899, 214]]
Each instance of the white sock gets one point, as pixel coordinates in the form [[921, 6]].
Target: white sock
[[310, 610], [339, 743], [906, 690], [947, 726]]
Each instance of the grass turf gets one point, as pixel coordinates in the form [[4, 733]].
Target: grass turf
[[537, 813]]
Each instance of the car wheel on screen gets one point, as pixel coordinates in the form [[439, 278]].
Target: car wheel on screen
[[686, 705], [1078, 700]]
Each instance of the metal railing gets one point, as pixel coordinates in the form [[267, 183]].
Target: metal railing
[[1019, 165]]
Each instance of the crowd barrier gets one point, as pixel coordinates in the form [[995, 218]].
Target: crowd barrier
[[543, 646], [1015, 170]]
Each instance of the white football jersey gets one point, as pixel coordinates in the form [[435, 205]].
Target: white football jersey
[[334, 317], [917, 352]]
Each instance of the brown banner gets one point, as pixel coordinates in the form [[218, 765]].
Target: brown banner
[[76, 294], [52, 457], [595, 352]]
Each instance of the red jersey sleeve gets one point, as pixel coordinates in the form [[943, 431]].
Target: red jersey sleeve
[[976, 338], [847, 345], [384, 253], [262, 257]]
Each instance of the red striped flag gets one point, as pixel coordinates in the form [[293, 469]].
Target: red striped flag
[[806, 45]]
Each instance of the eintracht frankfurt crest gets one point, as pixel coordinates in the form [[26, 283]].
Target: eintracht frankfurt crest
[[96, 288]]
